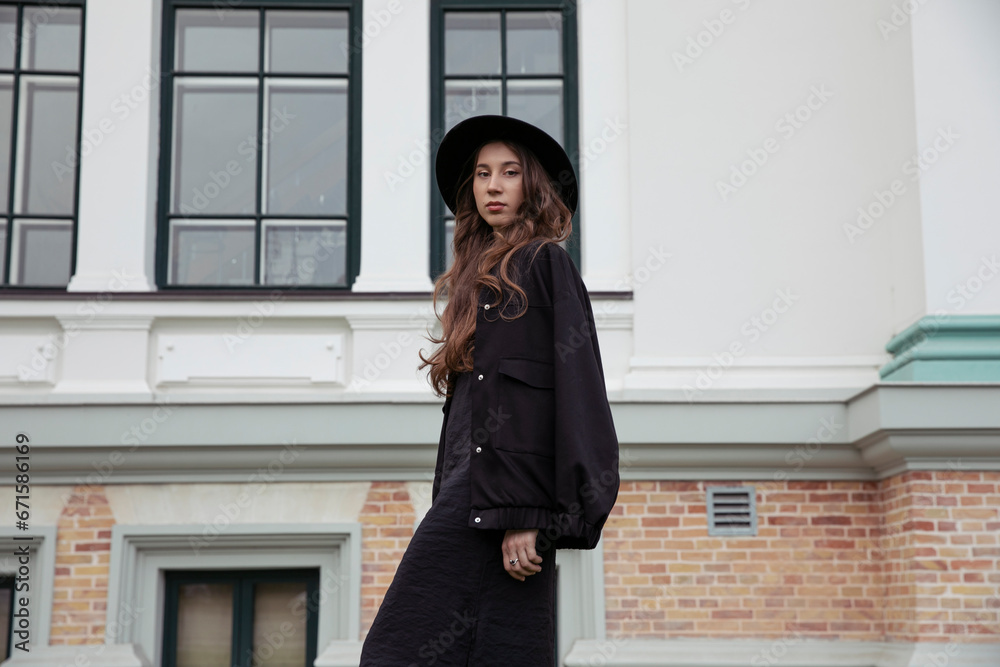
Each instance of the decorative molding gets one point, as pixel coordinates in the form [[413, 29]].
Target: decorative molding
[[95, 655], [789, 650], [140, 553], [946, 347], [726, 377], [878, 433], [254, 358], [92, 322]]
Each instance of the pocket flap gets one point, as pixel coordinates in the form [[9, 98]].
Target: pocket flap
[[530, 371]]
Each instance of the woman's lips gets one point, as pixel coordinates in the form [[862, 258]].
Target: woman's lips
[[495, 207]]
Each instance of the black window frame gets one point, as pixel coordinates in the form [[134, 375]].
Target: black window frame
[[354, 124], [8, 581], [8, 214], [243, 581], [570, 77]]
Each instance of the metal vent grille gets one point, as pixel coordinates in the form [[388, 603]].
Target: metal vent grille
[[732, 510]]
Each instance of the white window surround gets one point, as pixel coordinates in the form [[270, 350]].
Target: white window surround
[[41, 564], [141, 554]]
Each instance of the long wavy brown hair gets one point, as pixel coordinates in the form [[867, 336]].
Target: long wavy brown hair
[[478, 249]]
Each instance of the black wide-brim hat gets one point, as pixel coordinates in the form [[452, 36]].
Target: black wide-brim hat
[[456, 152]]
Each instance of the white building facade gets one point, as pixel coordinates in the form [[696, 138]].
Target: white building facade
[[220, 236]]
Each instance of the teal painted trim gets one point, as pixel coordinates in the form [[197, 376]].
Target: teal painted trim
[[946, 348]]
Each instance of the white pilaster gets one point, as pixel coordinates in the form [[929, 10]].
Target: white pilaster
[[955, 55], [119, 146], [605, 216], [396, 152]]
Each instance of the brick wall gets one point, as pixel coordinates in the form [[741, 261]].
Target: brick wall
[[912, 557], [907, 558], [387, 525], [942, 533], [83, 556]]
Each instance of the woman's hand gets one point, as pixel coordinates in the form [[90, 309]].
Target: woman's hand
[[520, 545]]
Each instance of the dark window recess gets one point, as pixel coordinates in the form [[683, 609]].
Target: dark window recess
[[731, 510], [6, 614], [261, 129], [41, 68], [514, 59], [241, 618]]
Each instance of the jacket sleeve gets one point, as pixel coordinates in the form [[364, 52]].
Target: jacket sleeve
[[586, 445]]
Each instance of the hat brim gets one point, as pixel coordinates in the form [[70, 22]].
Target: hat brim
[[454, 155]]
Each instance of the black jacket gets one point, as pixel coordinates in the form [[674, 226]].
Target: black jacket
[[545, 451]]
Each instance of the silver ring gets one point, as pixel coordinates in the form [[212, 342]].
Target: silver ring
[[514, 562]]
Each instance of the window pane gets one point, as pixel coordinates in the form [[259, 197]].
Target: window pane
[[42, 253], [215, 154], [8, 19], [215, 253], [302, 253], [307, 42], [306, 148], [472, 43], [6, 117], [279, 636], [209, 40], [539, 103], [534, 42], [54, 41], [204, 625], [464, 99], [48, 112]]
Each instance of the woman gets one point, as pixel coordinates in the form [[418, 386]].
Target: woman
[[527, 460]]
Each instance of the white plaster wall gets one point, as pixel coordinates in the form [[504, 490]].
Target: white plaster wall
[[783, 229], [956, 57]]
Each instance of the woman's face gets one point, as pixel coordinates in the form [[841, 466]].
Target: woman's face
[[498, 180]]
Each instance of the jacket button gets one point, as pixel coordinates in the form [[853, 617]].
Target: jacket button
[[487, 306], [477, 519], [480, 376], [478, 449]]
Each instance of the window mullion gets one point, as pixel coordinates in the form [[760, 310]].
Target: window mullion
[[12, 157], [503, 62], [242, 613], [258, 249]]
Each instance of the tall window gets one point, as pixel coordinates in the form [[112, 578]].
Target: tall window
[[41, 57], [260, 144], [230, 618], [510, 58]]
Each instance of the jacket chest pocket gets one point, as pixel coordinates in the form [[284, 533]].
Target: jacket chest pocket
[[526, 399]]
